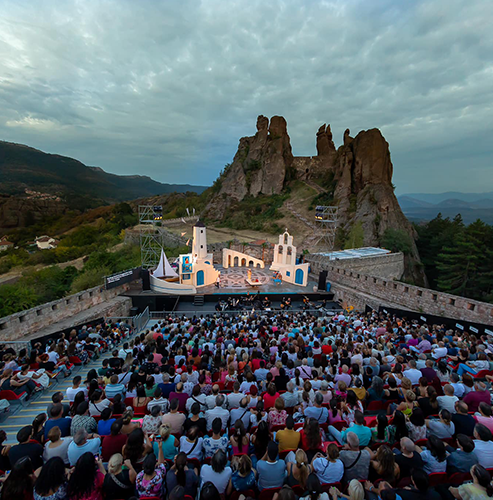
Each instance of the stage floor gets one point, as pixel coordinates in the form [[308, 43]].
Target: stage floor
[[233, 280]]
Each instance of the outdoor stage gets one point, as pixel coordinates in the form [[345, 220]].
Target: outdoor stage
[[233, 283]]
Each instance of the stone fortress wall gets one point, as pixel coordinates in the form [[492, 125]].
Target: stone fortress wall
[[372, 281]]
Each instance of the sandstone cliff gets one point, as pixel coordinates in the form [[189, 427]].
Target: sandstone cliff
[[357, 178]]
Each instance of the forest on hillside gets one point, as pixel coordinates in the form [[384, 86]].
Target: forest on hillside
[[458, 258]]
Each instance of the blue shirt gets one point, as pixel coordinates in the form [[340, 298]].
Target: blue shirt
[[319, 414], [271, 474], [104, 426], [363, 433], [74, 452], [62, 423]]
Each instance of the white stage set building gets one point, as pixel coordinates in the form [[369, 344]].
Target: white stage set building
[[284, 261], [196, 269]]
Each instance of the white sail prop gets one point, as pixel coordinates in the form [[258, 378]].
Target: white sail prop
[[164, 269]]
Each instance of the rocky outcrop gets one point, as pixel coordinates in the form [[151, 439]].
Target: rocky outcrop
[[325, 144], [358, 176]]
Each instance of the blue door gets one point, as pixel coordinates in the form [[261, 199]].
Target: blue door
[[298, 279], [200, 278]]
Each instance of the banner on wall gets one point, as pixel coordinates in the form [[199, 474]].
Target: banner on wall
[[121, 278]]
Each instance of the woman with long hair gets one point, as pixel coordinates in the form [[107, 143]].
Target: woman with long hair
[[243, 477], [278, 415], [376, 391], [141, 400], [383, 432], [240, 439], [98, 402], [182, 475], [79, 398], [51, 483], [136, 448], [399, 425], [261, 438], [299, 470], [443, 428], [355, 491], [56, 446], [258, 414], [335, 415], [417, 425], [480, 488], [218, 472], [429, 405], [38, 428], [129, 426], [86, 480], [383, 465], [151, 480], [20, 481], [119, 482], [435, 456], [311, 439], [348, 407]]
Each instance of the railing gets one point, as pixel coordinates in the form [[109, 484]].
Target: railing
[[138, 322], [197, 312], [18, 345]]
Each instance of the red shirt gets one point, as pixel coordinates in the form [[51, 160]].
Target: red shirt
[[270, 400], [111, 445], [473, 398], [327, 349]]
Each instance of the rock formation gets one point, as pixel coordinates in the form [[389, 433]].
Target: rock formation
[[361, 172]]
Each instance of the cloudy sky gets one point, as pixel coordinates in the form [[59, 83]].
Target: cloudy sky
[[166, 88]]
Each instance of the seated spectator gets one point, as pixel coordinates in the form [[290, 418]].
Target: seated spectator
[[329, 469], [359, 428], [174, 418], [217, 441], [419, 488], [311, 438], [217, 473], [58, 398], [87, 478], [137, 448], [291, 397], [26, 448], [463, 422], [408, 458], [180, 395], [82, 443], [277, 415], [119, 483], [376, 391], [191, 444], [474, 398], [288, 438], [19, 483], [149, 482], [484, 415], [355, 492], [480, 488], [435, 456], [463, 458], [71, 392], [82, 420], [356, 462], [52, 480], [297, 468], [151, 423], [57, 419], [182, 475], [416, 425], [167, 386], [169, 443], [196, 397], [483, 445], [56, 446], [140, 401], [448, 400], [210, 401], [429, 405], [243, 477], [384, 466], [98, 402], [113, 443], [271, 471], [242, 413], [318, 412], [114, 388], [105, 422], [443, 428], [217, 412], [270, 397]]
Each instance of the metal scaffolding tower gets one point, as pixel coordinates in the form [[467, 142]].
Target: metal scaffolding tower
[[151, 236], [327, 218]]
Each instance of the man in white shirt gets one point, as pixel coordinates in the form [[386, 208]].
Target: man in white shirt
[[459, 389], [447, 402], [158, 400], [217, 412], [236, 396], [72, 391], [210, 400], [440, 351], [122, 353], [412, 373]]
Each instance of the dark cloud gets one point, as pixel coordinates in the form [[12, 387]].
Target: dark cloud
[[167, 88]]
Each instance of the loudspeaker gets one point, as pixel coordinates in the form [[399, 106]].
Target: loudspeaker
[[146, 280], [322, 280]]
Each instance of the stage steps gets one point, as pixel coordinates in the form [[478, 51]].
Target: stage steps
[[198, 300]]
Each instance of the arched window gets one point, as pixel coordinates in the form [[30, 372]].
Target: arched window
[[285, 238], [280, 250]]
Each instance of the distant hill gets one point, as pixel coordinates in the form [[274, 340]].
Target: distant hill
[[76, 184], [426, 206]]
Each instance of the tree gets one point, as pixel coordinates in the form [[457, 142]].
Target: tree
[[397, 240]]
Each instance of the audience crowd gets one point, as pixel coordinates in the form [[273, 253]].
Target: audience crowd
[[263, 405]]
